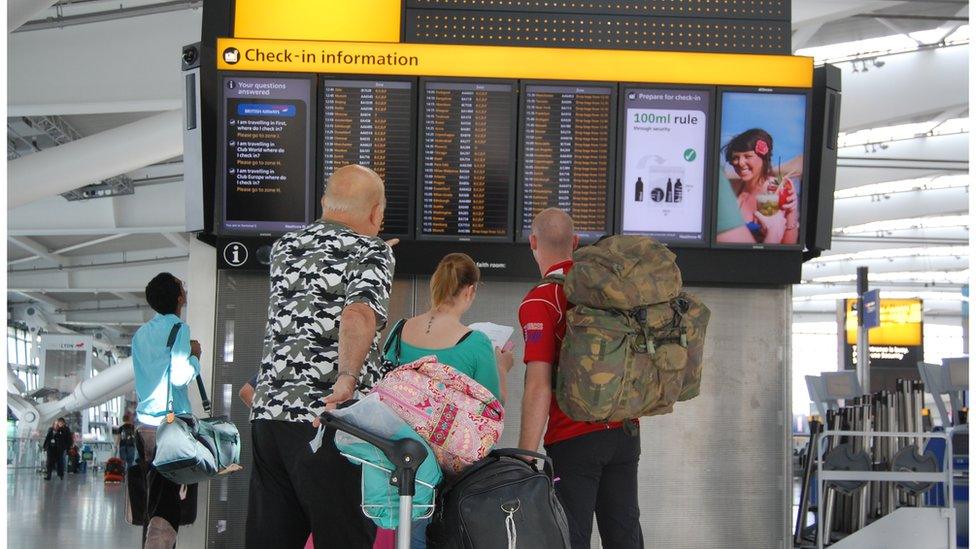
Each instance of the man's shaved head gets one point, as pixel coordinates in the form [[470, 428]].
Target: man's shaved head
[[353, 190], [553, 230]]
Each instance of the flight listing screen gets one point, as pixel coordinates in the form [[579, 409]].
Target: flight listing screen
[[370, 123], [664, 185], [267, 182], [467, 149], [566, 156]]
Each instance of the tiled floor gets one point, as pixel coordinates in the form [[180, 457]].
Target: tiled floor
[[79, 511]]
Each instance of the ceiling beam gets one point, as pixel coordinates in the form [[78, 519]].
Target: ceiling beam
[[178, 240], [41, 298], [22, 11], [37, 249], [152, 209], [72, 248], [82, 162], [98, 266], [109, 15], [89, 56]]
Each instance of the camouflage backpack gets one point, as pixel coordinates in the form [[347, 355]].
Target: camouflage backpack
[[634, 340]]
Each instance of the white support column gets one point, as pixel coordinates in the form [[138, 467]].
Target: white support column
[[95, 158]]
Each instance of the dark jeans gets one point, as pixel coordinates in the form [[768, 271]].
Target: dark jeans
[[55, 459], [598, 473], [162, 496], [127, 454], [294, 491]]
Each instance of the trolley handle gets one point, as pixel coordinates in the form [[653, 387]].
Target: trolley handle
[[406, 454]]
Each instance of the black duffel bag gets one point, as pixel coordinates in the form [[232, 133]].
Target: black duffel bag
[[500, 501]]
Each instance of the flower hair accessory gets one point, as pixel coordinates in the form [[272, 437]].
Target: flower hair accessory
[[762, 147]]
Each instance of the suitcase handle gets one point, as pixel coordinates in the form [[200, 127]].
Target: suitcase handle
[[519, 453], [406, 454]]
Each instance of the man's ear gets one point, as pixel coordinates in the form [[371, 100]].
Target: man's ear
[[533, 242], [575, 242], [376, 215]]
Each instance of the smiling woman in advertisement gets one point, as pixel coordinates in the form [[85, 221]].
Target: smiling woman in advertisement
[[766, 192]]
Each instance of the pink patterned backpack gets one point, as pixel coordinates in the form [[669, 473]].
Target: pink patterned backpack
[[460, 418]]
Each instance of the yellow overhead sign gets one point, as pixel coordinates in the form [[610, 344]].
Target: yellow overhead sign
[[901, 322], [361, 20], [724, 69]]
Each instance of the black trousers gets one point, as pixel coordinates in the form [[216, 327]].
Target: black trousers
[[598, 473], [55, 459], [294, 492], [162, 496]]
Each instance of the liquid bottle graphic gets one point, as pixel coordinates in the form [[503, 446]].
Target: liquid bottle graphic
[[677, 190], [668, 194], [639, 191]]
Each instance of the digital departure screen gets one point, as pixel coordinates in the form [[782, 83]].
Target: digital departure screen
[[467, 158], [266, 136], [664, 185], [371, 123], [566, 156]]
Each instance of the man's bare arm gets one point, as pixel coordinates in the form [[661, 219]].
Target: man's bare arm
[[535, 404], [357, 328]]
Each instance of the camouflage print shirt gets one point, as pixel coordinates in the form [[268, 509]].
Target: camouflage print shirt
[[315, 273]]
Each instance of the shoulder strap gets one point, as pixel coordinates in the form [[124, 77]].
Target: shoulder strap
[[465, 336], [395, 334], [169, 384], [552, 278]]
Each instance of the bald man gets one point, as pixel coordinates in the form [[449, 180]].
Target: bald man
[[595, 462], [330, 288]]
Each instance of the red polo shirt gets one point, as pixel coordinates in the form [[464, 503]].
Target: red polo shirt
[[542, 315]]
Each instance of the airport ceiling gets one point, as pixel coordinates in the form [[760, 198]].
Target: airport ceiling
[[901, 205]]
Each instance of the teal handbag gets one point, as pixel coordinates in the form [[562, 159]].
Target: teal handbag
[[191, 450]]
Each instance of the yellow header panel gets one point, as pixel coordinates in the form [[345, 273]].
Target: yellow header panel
[[723, 69], [361, 20], [901, 323]]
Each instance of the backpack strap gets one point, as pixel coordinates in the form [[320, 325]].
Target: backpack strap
[[397, 338], [552, 278]]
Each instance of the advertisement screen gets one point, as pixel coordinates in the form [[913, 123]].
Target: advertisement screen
[[266, 149], [567, 141], [760, 168], [467, 160], [664, 162]]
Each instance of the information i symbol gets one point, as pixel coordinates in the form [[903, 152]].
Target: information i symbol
[[235, 254]]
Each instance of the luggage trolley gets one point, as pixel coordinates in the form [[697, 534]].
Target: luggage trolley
[[406, 455]]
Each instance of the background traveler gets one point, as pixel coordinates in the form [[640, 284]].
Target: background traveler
[[56, 443]]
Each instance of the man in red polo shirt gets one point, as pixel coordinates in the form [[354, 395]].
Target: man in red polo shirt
[[596, 463]]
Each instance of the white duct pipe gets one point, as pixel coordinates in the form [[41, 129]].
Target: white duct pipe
[[95, 158], [112, 382], [22, 11]]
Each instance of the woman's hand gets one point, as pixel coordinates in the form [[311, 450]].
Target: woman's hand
[[504, 359], [774, 227]]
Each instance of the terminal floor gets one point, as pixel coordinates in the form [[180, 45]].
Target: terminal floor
[[79, 511]]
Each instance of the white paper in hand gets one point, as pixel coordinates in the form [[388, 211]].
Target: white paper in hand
[[498, 334]]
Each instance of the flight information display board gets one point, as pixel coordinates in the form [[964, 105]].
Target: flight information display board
[[467, 160], [664, 190], [267, 166], [371, 123], [565, 161]]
